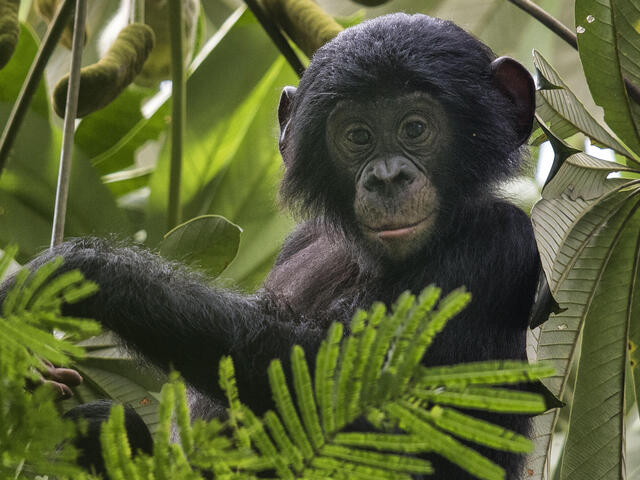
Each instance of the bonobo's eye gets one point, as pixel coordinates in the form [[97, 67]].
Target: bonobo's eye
[[359, 136], [414, 128]]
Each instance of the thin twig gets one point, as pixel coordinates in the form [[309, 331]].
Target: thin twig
[[276, 36], [566, 34], [68, 130], [30, 85], [178, 110], [548, 21]]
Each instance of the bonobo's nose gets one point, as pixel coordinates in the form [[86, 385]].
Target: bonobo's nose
[[385, 175]]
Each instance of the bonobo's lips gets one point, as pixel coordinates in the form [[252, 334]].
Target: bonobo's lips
[[390, 232]]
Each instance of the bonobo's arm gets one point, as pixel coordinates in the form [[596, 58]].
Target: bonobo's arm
[[175, 319]]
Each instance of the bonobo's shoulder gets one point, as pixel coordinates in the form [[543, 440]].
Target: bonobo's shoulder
[[500, 227], [304, 234], [502, 216]]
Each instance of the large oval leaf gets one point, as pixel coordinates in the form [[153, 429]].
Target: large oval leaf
[[208, 242]]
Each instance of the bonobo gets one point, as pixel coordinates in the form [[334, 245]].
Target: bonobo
[[394, 144]]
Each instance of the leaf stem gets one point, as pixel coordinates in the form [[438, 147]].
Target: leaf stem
[[137, 11], [276, 36], [30, 85], [68, 130], [178, 110], [566, 34]]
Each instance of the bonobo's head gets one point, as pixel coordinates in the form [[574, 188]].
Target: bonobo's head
[[398, 124]]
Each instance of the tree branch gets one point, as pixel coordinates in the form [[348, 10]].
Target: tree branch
[[178, 110], [68, 130], [566, 34], [276, 36], [32, 81]]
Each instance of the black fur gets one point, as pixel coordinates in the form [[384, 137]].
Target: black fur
[[324, 273], [88, 443]]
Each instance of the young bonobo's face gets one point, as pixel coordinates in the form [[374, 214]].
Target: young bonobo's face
[[389, 147]]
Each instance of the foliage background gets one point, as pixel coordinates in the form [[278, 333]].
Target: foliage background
[[231, 165]]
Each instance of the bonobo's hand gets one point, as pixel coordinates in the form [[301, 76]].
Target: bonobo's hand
[[58, 379]]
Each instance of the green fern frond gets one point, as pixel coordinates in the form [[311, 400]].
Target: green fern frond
[[304, 394], [282, 440], [228, 384], [373, 373], [287, 410], [484, 398], [497, 372], [34, 440], [161, 465], [388, 442], [411, 419], [478, 431], [326, 363]]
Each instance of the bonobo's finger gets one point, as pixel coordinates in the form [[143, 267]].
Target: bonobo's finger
[[66, 376], [61, 390]]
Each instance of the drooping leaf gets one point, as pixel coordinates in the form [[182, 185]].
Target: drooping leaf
[[600, 45], [126, 181], [209, 242], [566, 115], [595, 445], [110, 136], [626, 16], [575, 224]]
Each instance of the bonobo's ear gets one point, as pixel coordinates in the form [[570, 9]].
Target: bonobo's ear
[[284, 113], [516, 83]]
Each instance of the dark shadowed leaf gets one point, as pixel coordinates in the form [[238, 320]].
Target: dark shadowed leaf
[[600, 40], [566, 115], [584, 225]]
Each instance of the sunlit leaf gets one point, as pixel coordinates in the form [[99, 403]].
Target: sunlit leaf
[[231, 162], [28, 184]]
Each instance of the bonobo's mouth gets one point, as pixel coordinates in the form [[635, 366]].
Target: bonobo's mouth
[[392, 232]]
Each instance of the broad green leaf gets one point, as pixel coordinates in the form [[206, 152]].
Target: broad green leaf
[[626, 15], [563, 111], [27, 186], [126, 181], [574, 225], [107, 136], [600, 43], [594, 447], [231, 164], [15, 72], [209, 242], [634, 346]]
